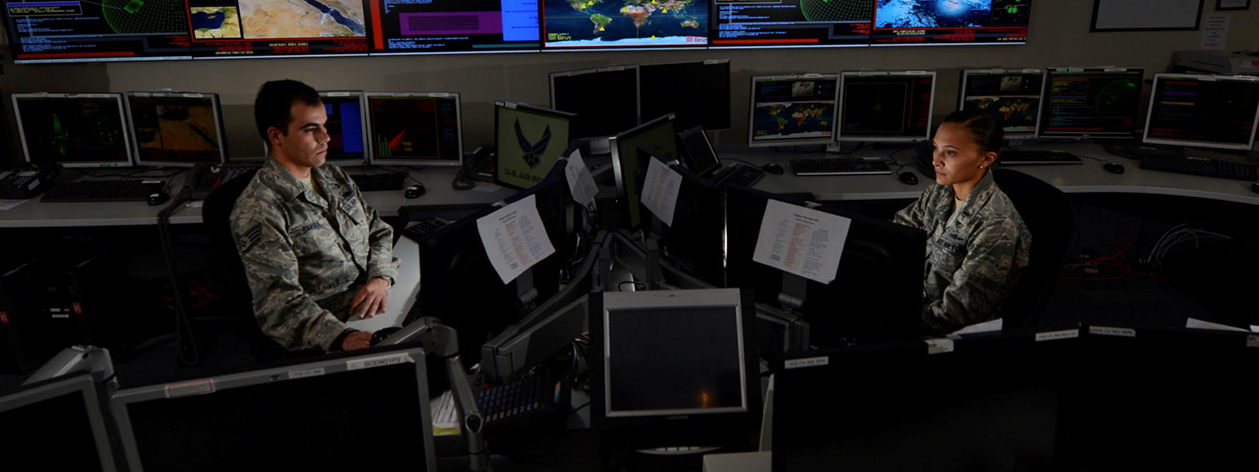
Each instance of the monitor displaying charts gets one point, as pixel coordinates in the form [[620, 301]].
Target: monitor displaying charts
[[1203, 110], [347, 127], [789, 110], [415, 128], [73, 130], [1013, 95], [176, 128], [1091, 103], [886, 105]]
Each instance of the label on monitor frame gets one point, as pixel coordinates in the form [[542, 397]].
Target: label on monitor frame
[[196, 387], [298, 374], [807, 362], [1109, 331], [939, 345], [381, 361], [1056, 335]]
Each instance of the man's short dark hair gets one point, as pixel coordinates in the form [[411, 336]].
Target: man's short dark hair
[[273, 105]]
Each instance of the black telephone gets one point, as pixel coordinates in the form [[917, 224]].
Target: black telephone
[[25, 182], [480, 165]]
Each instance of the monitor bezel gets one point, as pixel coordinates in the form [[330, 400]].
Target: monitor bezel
[[499, 104], [638, 105], [1045, 110], [839, 109], [376, 160], [729, 111], [961, 96], [215, 105], [753, 142], [83, 382], [363, 117], [123, 120], [708, 148], [328, 365], [1149, 114]]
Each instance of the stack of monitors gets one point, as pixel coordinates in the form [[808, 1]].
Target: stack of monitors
[[1091, 103], [793, 109], [415, 128], [120, 30], [886, 105], [73, 130], [1014, 95], [529, 141], [1203, 110], [347, 127], [176, 128], [605, 100]]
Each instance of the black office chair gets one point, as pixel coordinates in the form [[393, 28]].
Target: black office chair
[[216, 214], [1049, 216]]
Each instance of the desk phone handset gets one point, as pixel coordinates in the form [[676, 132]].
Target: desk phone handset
[[480, 165], [26, 182]]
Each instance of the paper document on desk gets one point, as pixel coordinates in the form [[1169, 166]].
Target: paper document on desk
[[514, 238], [801, 241], [660, 190], [580, 182]]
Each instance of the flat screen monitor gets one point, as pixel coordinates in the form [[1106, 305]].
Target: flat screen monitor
[[226, 29], [698, 93], [415, 128], [73, 130], [698, 152], [696, 239], [1012, 95], [603, 25], [877, 291], [788, 110], [605, 100], [452, 26], [791, 23], [899, 23], [347, 127], [58, 424], [629, 167], [529, 141], [176, 128], [326, 413], [1091, 103], [886, 105], [108, 30], [1203, 110], [672, 354]]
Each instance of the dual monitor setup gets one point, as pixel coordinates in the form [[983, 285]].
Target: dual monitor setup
[[129, 30]]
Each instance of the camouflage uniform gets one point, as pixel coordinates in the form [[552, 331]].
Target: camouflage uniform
[[305, 254], [973, 263]]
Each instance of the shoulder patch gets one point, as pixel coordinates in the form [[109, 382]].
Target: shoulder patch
[[249, 239]]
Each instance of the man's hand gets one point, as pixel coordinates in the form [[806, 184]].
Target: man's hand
[[356, 340], [370, 299]]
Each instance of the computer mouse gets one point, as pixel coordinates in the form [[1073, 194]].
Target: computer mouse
[[158, 198], [773, 169], [1113, 167], [908, 178], [414, 191]]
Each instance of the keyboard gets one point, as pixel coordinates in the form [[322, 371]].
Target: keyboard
[[1202, 166], [207, 177], [378, 182], [740, 174], [128, 190], [1016, 157], [839, 166], [424, 227], [1137, 150]]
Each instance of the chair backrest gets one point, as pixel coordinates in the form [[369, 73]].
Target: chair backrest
[[216, 215], [1048, 214]]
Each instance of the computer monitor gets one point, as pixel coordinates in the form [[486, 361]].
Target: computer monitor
[[680, 357], [629, 168], [1013, 95], [451, 26], [788, 110], [244, 29], [73, 130], [886, 105], [178, 129], [600, 25], [698, 93], [59, 424], [415, 128], [877, 291], [937, 23], [698, 152], [696, 240], [605, 99], [1091, 103], [1203, 110], [324, 413], [347, 127], [50, 31], [529, 141]]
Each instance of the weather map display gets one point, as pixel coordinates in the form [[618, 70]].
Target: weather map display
[[245, 28], [410, 26], [950, 21], [104, 30], [1091, 103], [793, 109], [738, 23], [1014, 95], [624, 23]]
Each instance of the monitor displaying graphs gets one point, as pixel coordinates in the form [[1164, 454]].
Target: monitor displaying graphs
[[624, 23]]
